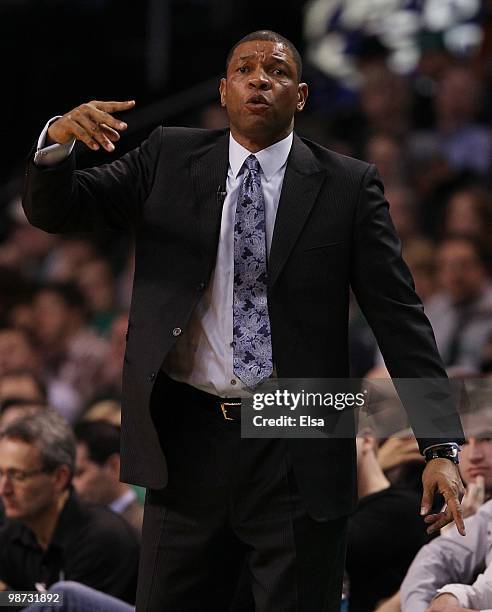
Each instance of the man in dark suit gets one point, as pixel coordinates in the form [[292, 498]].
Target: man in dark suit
[[209, 319]]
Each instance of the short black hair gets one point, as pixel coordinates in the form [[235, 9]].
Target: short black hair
[[68, 292], [468, 239], [271, 36], [101, 438], [35, 378]]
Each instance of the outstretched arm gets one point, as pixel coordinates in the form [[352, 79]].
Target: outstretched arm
[[60, 198]]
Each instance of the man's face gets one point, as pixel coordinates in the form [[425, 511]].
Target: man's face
[[52, 318], [20, 386], [476, 460], [15, 351], [261, 92], [90, 479], [25, 499], [459, 270]]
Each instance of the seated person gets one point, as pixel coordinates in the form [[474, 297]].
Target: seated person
[[379, 551], [476, 472], [97, 471], [12, 409], [49, 534], [78, 597], [450, 558], [22, 384], [464, 597]]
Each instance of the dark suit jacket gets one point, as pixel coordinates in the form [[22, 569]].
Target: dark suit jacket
[[332, 231]]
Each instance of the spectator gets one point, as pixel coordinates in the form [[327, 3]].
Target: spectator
[[476, 463], [73, 355], [469, 212], [50, 534], [68, 257], [419, 254], [26, 248], [461, 313], [379, 552], [108, 410], [113, 364], [464, 596], [81, 598], [96, 282], [384, 100], [97, 471], [450, 558], [17, 351], [388, 154], [476, 460], [22, 385], [476, 472], [13, 409], [460, 140], [403, 211]]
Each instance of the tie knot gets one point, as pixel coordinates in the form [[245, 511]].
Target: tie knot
[[252, 163]]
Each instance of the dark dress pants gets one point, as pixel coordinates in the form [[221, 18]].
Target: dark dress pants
[[232, 515]]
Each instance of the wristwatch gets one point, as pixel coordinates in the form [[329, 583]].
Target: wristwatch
[[447, 450]]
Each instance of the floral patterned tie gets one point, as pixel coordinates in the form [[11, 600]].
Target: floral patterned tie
[[252, 355]]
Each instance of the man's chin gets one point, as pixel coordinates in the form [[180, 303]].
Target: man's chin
[[12, 512]]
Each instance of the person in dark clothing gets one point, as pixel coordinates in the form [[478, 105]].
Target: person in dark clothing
[[49, 534], [379, 551]]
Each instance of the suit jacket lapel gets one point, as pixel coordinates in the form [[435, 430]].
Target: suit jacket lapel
[[208, 172], [302, 182]]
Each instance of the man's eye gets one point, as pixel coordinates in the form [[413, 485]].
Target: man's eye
[[243, 69], [278, 71]]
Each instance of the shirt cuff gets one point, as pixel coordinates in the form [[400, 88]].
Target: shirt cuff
[[434, 445], [52, 154], [460, 591]]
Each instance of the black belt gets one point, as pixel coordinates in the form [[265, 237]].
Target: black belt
[[228, 408]]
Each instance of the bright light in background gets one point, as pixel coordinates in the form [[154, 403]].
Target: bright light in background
[[330, 24]]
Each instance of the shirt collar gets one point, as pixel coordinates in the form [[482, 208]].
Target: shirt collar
[[122, 502], [271, 159]]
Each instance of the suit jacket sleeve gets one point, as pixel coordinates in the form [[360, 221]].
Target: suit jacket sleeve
[[384, 288], [62, 199]]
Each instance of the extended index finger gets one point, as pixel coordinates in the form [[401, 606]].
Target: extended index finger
[[454, 507], [113, 106]]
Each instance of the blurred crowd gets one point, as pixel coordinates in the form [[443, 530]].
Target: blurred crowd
[[64, 304]]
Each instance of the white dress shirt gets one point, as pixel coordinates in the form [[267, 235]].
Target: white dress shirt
[[203, 354], [476, 596], [120, 504]]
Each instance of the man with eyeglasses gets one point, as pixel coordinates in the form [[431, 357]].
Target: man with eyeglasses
[[51, 535]]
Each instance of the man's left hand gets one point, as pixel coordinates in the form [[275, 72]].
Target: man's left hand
[[442, 475]]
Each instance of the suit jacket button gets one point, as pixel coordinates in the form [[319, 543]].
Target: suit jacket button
[[177, 331], [200, 286], [152, 376]]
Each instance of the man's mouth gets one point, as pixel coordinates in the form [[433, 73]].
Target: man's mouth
[[258, 101], [477, 471]]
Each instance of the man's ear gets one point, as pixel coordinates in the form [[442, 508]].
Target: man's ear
[[62, 477], [302, 95], [223, 91], [113, 464]]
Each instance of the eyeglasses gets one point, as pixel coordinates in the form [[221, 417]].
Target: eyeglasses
[[20, 475]]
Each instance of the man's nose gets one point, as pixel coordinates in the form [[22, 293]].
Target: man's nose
[[5, 485], [476, 452], [259, 79]]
